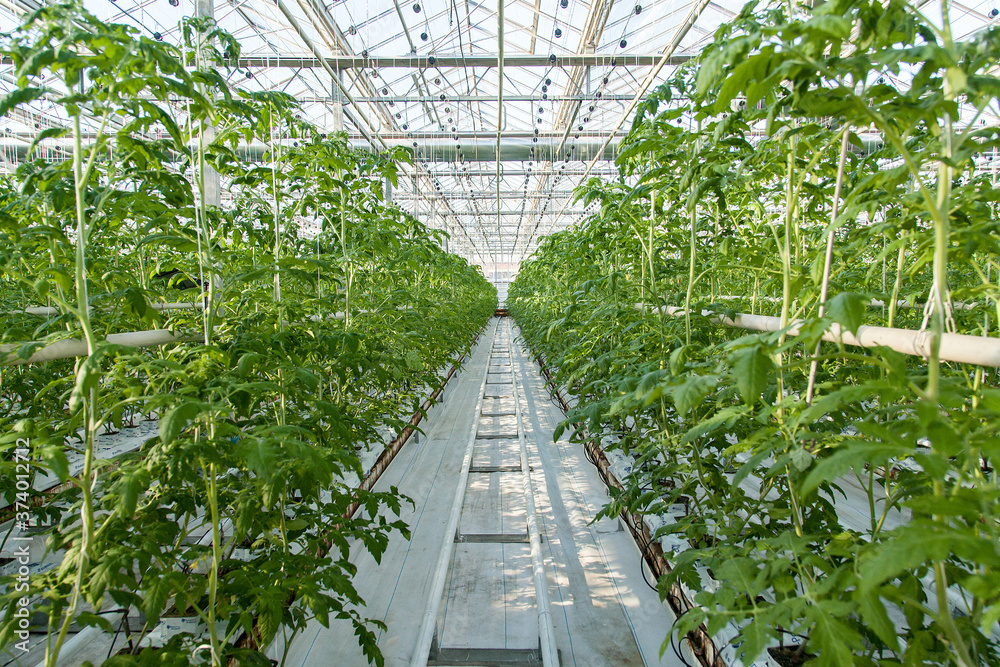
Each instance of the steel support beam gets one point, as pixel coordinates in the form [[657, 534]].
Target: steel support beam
[[666, 56], [509, 150], [472, 213], [518, 195], [333, 74], [500, 123], [466, 152], [430, 99], [570, 171], [593, 29], [328, 27], [348, 61], [465, 135]]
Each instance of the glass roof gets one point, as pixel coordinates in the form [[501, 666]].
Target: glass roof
[[426, 75]]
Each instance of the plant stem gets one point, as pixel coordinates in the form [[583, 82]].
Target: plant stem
[[90, 399], [691, 270], [213, 574], [940, 295], [828, 261], [893, 304]]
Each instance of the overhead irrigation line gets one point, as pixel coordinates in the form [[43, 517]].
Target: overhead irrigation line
[[682, 32], [324, 62], [333, 75]]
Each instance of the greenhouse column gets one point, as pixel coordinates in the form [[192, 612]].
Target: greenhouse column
[[337, 106], [206, 9]]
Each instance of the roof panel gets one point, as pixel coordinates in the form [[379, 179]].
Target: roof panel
[[577, 106]]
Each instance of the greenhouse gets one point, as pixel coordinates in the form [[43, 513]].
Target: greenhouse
[[547, 332]]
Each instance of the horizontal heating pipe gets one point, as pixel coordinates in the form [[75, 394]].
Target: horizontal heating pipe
[[74, 347], [961, 348]]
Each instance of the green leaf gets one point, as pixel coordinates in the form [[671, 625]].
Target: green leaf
[[42, 287], [246, 364], [690, 393], [89, 374], [269, 617], [156, 590], [18, 96], [991, 616], [47, 133], [552, 327], [830, 638], [260, 455], [875, 617], [130, 484], [177, 418], [678, 358], [801, 459], [90, 619], [755, 638], [848, 310], [903, 550], [560, 429], [56, 460], [749, 467], [956, 81], [835, 26], [751, 366], [848, 455], [725, 417]]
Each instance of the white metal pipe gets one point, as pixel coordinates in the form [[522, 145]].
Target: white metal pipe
[[427, 626], [48, 311], [341, 315], [903, 303], [177, 305], [500, 39], [74, 347], [959, 348], [546, 631], [406, 30], [874, 303]]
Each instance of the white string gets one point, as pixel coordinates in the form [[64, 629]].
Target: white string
[[197, 170], [949, 319]]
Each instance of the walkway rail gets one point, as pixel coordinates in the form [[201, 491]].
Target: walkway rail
[[501, 390]]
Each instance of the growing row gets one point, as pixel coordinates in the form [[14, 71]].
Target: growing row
[[305, 321], [828, 167]]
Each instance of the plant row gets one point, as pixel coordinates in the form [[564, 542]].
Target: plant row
[[310, 318], [829, 165]]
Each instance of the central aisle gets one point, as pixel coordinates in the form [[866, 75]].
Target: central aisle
[[603, 611]]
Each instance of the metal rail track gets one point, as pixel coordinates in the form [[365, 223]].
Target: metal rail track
[[428, 649]]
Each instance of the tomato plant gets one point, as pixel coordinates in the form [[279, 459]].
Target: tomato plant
[[843, 499], [296, 324]]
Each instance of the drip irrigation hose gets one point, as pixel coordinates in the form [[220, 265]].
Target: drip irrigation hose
[[791, 634], [121, 626], [642, 559], [676, 647]]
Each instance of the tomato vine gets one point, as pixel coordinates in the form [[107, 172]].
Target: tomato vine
[[809, 165], [305, 319]]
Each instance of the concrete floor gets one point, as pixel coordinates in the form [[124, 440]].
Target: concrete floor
[[604, 613]]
